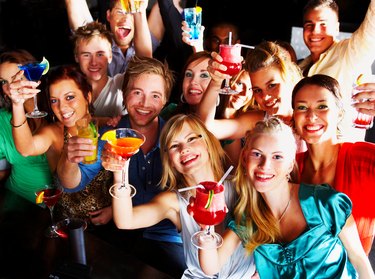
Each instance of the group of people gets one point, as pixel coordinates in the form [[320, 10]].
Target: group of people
[[300, 197]]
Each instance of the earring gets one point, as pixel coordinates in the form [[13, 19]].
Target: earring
[[288, 177], [182, 99], [218, 101]]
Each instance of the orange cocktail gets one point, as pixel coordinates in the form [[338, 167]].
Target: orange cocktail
[[126, 147]]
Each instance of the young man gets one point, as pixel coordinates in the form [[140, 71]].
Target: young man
[[130, 31], [92, 51], [147, 86], [343, 60]]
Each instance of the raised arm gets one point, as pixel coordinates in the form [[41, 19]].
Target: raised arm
[[155, 22], [78, 13], [223, 128], [212, 260], [350, 238], [142, 37]]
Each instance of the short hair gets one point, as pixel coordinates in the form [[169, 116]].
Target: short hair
[[145, 65], [313, 4], [171, 178], [88, 31]]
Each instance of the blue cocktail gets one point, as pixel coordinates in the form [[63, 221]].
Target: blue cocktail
[[193, 17], [34, 71]]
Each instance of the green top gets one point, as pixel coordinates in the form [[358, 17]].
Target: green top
[[28, 174], [318, 248]]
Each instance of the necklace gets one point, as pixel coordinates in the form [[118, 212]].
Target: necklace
[[285, 210]]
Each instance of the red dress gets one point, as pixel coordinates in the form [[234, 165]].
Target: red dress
[[355, 176]]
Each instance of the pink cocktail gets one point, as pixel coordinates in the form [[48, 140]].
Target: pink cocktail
[[208, 209], [232, 59]]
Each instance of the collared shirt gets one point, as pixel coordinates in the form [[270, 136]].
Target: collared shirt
[[344, 61], [144, 174]]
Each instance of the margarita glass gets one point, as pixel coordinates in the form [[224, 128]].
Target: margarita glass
[[33, 71], [208, 208], [124, 142], [362, 120], [232, 59], [49, 195]]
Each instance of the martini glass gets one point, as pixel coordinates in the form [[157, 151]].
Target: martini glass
[[33, 71], [50, 196], [208, 209], [126, 143], [231, 55]]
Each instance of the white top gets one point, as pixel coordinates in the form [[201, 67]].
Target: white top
[[344, 61], [239, 264], [110, 101]]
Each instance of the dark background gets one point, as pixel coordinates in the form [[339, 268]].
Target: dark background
[[41, 26]]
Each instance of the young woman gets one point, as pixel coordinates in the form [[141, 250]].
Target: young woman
[[69, 96], [190, 154], [348, 167], [272, 76], [36, 167], [293, 230]]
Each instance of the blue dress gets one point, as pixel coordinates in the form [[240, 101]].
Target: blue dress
[[316, 253]]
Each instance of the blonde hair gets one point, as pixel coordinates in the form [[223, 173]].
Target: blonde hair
[[171, 178], [251, 211]]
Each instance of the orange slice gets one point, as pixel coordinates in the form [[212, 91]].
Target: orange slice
[[39, 197], [359, 80], [109, 135]]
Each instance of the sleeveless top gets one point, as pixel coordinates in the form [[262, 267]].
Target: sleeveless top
[[316, 253], [239, 264]]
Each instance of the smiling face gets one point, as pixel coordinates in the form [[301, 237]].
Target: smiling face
[[268, 161], [196, 80], [8, 72], [122, 25], [144, 99], [93, 57], [68, 102], [188, 151], [243, 86], [316, 114], [320, 29], [270, 91]]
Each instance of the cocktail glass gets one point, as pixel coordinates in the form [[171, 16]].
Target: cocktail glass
[[50, 195], [63, 226], [126, 143], [208, 208], [362, 120], [193, 18], [231, 55], [131, 6], [33, 71]]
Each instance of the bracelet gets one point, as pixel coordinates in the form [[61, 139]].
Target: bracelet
[[17, 126]]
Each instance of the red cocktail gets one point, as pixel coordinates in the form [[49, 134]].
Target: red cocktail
[[49, 196], [232, 59], [209, 209]]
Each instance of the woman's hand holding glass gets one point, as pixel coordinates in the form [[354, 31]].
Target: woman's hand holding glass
[[197, 45], [21, 89], [365, 98]]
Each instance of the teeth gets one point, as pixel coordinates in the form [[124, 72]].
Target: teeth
[[195, 91], [264, 176], [270, 104], [191, 157], [140, 111], [313, 127], [67, 115]]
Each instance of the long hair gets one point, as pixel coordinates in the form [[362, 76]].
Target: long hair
[[18, 56], [171, 178], [251, 211], [68, 72]]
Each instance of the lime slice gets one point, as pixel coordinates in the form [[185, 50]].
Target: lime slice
[[211, 194], [39, 197], [359, 80], [93, 129], [198, 9], [109, 135], [45, 62]]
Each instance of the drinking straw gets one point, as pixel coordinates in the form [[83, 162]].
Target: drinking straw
[[225, 175], [230, 38], [190, 188], [246, 46]]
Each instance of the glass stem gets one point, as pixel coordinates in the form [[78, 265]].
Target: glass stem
[[125, 174], [51, 213], [226, 84], [209, 229], [35, 103]]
